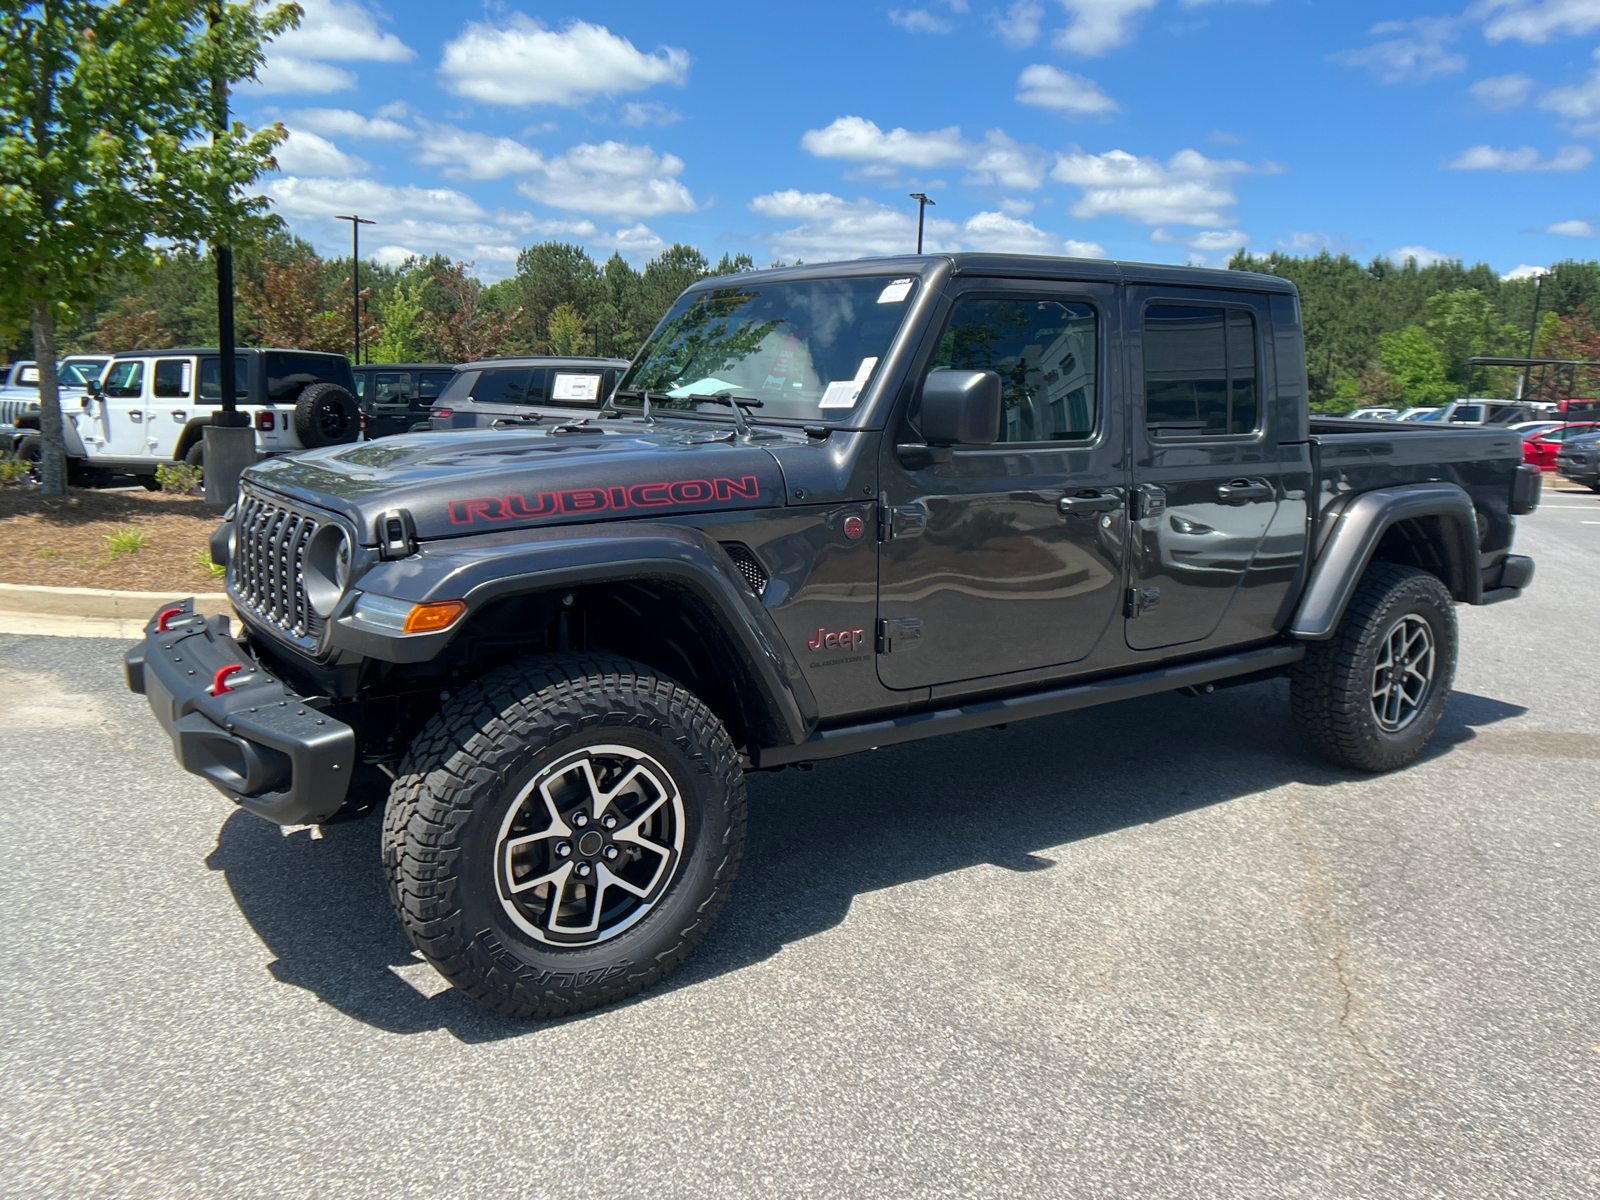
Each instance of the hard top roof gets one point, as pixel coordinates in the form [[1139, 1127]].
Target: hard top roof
[[238, 350], [406, 366], [1021, 266], [543, 360]]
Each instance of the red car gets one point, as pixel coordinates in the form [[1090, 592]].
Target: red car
[[1542, 447]]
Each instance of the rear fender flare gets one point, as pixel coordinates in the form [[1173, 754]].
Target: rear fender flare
[[1349, 548], [493, 566]]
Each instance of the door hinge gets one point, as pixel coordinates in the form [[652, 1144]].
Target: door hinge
[[1141, 600], [906, 521], [901, 633], [1149, 501]]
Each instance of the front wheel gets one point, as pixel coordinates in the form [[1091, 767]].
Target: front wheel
[[563, 833], [1372, 696]]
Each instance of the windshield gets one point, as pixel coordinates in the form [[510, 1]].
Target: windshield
[[800, 350], [80, 371]]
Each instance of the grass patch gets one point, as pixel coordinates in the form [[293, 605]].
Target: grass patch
[[127, 540], [202, 560], [13, 471], [178, 479]]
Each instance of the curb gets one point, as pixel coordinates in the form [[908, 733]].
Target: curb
[[37, 610]]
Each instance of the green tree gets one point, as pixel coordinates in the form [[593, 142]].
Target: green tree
[[567, 334], [1463, 325], [399, 311], [103, 108], [1412, 360]]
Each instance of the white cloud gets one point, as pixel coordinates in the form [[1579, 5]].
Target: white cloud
[[649, 112], [465, 154], [1001, 233], [1524, 272], [1491, 158], [1315, 242], [341, 122], [1416, 57], [1099, 25], [919, 20], [1579, 103], [1502, 91], [1044, 86], [1018, 26], [524, 62], [1189, 189], [637, 239], [297, 197], [1424, 256], [393, 256], [1539, 20], [1013, 207], [856, 139], [331, 30], [1000, 160], [831, 228], [1572, 229], [613, 178], [303, 153]]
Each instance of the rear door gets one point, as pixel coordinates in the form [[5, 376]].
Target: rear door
[[1009, 558], [172, 394], [1206, 472]]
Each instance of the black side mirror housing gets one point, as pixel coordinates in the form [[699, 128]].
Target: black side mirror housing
[[92, 386], [960, 408]]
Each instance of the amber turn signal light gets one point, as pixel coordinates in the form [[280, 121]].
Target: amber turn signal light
[[434, 616]]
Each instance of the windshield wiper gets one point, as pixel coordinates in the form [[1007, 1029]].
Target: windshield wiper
[[737, 403], [642, 393]]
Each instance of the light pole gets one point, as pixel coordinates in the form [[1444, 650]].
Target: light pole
[[355, 273], [1533, 333], [922, 203]]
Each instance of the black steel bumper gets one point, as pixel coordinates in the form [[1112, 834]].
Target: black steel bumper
[[1516, 573], [257, 741]]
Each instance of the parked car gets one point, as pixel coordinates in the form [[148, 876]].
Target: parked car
[[1485, 412], [1579, 460], [396, 397], [19, 391], [832, 508], [502, 389], [1375, 414], [1530, 428], [1541, 447], [1420, 413], [152, 406]]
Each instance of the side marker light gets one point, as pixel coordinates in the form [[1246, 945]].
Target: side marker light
[[434, 616]]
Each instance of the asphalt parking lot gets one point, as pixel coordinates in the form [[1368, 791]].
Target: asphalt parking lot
[[1152, 950]]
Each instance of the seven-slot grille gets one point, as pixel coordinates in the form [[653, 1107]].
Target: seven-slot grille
[[270, 541]]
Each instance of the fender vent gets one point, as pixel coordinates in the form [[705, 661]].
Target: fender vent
[[749, 566]]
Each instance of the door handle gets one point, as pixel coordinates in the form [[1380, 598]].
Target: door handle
[[1085, 503], [1243, 491]]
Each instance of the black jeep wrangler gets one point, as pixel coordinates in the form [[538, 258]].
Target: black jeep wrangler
[[828, 509]]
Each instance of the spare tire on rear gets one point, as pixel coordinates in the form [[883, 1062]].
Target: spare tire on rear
[[326, 415]]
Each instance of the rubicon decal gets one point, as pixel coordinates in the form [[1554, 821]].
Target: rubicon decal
[[677, 493]]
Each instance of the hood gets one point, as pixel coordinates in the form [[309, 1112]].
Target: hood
[[483, 480]]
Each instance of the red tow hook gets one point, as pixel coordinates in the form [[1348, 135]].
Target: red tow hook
[[166, 615], [219, 685]]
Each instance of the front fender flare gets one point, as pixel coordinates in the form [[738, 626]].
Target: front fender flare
[[487, 567], [1361, 526]]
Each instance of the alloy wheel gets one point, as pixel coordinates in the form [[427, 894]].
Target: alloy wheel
[[1403, 675]]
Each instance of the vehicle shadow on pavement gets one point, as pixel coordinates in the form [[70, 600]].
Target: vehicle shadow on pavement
[[818, 839]]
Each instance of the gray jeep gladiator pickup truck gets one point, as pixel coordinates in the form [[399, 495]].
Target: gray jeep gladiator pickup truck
[[828, 509]]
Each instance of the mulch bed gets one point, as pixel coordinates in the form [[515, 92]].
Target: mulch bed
[[62, 542]]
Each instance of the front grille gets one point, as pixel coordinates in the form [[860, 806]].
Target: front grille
[[749, 566], [268, 565]]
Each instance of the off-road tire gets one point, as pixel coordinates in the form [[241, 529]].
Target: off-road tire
[[461, 777], [326, 415], [195, 455], [1331, 689], [31, 451]]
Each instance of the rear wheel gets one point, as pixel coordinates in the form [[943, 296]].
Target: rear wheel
[[1372, 696], [563, 833]]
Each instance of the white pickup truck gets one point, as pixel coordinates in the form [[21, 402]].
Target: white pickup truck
[[150, 407], [19, 387]]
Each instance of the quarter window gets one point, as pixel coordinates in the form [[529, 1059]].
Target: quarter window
[[210, 388], [1046, 353], [391, 387], [1200, 373], [431, 383], [502, 385]]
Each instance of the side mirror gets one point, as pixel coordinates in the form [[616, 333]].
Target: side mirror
[[960, 408], [92, 386]]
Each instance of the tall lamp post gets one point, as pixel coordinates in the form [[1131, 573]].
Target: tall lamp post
[[355, 274], [1533, 333], [229, 442], [922, 204]]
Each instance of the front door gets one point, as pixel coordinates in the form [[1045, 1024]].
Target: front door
[[1205, 466], [1010, 557], [123, 410]]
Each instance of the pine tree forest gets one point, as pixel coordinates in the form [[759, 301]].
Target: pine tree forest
[[1377, 333]]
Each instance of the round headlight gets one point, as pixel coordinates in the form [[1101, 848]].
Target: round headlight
[[327, 569]]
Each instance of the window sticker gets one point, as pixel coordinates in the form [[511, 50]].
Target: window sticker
[[843, 393], [576, 387], [896, 291]]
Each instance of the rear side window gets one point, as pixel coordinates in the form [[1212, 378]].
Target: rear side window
[[460, 388], [1200, 374], [431, 384], [125, 380], [211, 390], [289, 374], [172, 378], [576, 388], [502, 385], [391, 387]]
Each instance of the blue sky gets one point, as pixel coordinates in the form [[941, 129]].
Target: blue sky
[[1154, 130]]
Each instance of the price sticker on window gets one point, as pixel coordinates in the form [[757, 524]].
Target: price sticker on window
[[576, 387], [896, 292]]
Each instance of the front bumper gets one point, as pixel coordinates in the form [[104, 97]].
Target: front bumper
[[1587, 471], [258, 743]]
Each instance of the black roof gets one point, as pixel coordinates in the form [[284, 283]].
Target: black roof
[[410, 366], [545, 360], [238, 350], [1024, 266]]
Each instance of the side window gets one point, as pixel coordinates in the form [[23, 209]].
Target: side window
[[211, 391], [391, 387], [460, 388], [1200, 376], [502, 385], [538, 386], [574, 388], [1046, 353], [361, 385], [125, 380], [172, 377], [431, 383]]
